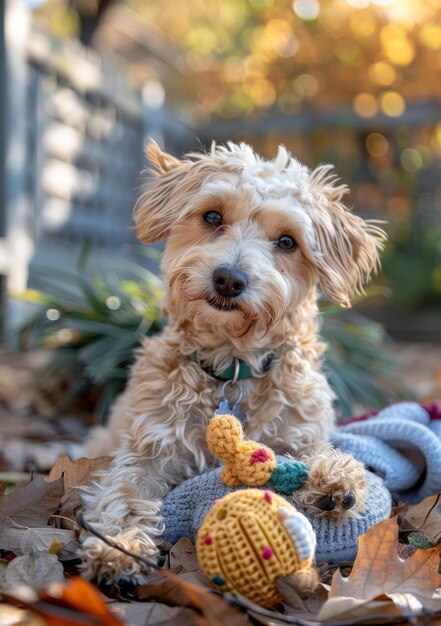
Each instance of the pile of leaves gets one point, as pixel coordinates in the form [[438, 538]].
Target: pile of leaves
[[393, 579], [93, 318]]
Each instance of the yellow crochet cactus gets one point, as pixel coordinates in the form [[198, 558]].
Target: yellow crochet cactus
[[245, 462], [251, 537]]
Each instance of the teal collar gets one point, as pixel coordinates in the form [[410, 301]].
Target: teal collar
[[229, 372]]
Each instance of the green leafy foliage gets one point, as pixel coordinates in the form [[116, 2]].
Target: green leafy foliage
[[359, 362], [94, 320], [412, 264]]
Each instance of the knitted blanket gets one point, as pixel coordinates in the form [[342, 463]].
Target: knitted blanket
[[401, 443], [184, 508]]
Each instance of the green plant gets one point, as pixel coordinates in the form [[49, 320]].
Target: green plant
[[94, 320], [359, 362], [412, 264]]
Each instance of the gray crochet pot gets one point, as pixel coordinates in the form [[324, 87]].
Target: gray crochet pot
[[184, 508]]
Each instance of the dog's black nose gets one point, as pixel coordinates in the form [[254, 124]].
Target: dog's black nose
[[229, 282]]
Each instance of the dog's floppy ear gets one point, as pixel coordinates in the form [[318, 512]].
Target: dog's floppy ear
[[348, 246], [167, 195]]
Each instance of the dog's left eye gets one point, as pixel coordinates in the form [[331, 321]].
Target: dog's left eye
[[286, 243], [213, 218]]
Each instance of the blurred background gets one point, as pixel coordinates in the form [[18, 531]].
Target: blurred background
[[350, 82]]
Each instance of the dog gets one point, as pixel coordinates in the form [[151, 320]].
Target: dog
[[248, 241]]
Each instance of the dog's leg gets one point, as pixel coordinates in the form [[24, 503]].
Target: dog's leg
[[336, 485], [124, 502]]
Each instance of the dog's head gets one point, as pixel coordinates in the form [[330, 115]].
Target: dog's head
[[248, 239]]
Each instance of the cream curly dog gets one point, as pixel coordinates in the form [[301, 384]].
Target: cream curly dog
[[248, 241]]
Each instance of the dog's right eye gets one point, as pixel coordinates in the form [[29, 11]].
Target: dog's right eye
[[213, 218]]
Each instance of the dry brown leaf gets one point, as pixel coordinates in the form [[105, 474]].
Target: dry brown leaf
[[13, 616], [351, 609], [31, 505], [177, 591], [78, 472], [183, 557], [151, 613], [379, 571], [36, 570], [425, 518], [288, 589], [306, 608], [25, 540], [185, 617], [70, 503], [70, 603]]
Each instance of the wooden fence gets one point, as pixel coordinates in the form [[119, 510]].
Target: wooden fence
[[74, 150]]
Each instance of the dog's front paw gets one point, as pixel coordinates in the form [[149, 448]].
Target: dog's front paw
[[336, 485], [108, 565]]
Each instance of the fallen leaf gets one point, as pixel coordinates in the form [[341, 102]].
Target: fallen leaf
[[69, 505], [13, 616], [379, 571], [81, 596], [305, 608], [288, 589], [75, 473], [36, 570], [185, 617], [143, 613], [424, 519], [31, 505], [22, 541], [177, 591], [78, 472], [71, 603], [351, 609], [69, 552], [183, 557]]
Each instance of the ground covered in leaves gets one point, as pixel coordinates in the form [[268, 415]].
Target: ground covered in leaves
[[393, 580]]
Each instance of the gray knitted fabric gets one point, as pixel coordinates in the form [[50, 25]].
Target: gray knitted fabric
[[184, 508], [402, 444]]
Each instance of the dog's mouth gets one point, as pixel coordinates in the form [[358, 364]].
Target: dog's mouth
[[222, 304]]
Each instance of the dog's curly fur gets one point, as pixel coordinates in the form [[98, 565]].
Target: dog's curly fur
[[334, 475], [157, 427]]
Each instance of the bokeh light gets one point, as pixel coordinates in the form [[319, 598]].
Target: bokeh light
[[392, 103], [377, 144], [430, 36], [382, 73], [365, 105], [411, 160], [397, 46], [358, 4], [306, 9], [306, 85]]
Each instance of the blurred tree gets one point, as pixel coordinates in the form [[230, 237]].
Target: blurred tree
[[90, 13], [242, 57], [351, 82]]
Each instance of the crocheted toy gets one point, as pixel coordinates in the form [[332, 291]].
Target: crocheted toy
[[185, 507], [245, 462], [249, 538], [248, 462]]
